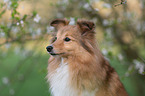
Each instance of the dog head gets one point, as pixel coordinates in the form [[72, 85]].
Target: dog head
[[71, 40]]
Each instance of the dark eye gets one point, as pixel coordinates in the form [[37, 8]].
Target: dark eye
[[67, 39], [55, 38]]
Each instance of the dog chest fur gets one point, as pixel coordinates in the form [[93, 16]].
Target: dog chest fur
[[60, 84]]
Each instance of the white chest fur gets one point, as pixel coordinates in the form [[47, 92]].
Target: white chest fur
[[59, 81], [60, 85]]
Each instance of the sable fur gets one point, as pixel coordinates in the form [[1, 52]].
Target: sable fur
[[88, 69]]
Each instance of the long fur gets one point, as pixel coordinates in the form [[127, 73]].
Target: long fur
[[82, 70]]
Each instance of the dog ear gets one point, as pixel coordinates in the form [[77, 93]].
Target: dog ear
[[85, 26], [86, 29], [58, 23]]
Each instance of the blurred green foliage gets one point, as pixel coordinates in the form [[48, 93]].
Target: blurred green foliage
[[26, 77]]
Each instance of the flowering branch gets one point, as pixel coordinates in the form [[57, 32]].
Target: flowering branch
[[122, 2]]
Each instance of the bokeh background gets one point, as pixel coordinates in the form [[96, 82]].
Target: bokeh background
[[25, 32]]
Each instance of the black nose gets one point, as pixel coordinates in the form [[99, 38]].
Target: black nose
[[49, 48]]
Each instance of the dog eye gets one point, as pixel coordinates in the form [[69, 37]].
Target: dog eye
[[67, 39], [55, 38]]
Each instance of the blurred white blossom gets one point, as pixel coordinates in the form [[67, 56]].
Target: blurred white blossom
[[130, 68], [49, 29], [7, 45], [87, 7], [104, 51], [14, 30], [109, 32], [96, 9], [139, 66], [30, 30], [124, 2], [11, 91], [72, 21], [105, 22], [25, 53], [120, 57], [37, 18], [18, 23], [33, 35], [5, 1], [38, 31], [8, 3], [22, 23], [63, 1], [95, 0], [5, 80], [126, 74], [17, 50], [106, 5], [2, 34], [107, 59]]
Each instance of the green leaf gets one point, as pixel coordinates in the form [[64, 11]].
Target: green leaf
[[110, 53], [24, 17], [2, 26], [15, 12], [1, 5], [14, 4], [34, 13], [88, 1], [5, 29], [143, 73], [2, 13], [13, 15], [17, 18]]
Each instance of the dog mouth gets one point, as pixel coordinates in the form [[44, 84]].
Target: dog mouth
[[52, 53]]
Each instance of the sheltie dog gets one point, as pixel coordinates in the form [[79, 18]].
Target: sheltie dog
[[76, 66]]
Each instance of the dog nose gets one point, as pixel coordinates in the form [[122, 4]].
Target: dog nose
[[49, 48]]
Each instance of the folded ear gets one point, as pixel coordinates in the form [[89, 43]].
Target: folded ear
[[58, 23], [85, 26]]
